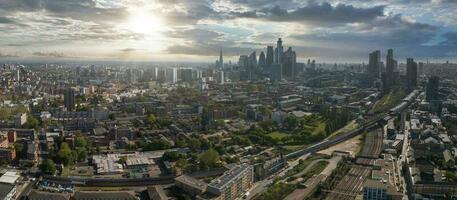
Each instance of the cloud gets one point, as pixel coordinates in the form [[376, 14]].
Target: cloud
[[406, 37], [3, 55], [450, 39], [54, 54], [6, 20], [16, 45], [204, 43], [265, 3], [316, 14], [194, 34], [86, 10], [202, 27], [126, 50]]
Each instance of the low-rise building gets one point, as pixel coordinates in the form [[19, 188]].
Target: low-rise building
[[39, 195], [105, 195], [191, 185], [7, 191]]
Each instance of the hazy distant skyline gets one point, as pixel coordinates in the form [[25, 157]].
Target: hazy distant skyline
[[194, 30]]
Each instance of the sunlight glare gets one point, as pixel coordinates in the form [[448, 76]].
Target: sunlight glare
[[144, 22]]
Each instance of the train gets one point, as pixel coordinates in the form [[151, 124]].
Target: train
[[405, 102]]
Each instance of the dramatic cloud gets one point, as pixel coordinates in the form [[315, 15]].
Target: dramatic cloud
[[141, 29], [317, 13], [204, 42]]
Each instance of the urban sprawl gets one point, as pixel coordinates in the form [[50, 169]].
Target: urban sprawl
[[265, 127]]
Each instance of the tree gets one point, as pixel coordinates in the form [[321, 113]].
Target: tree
[[122, 160], [219, 123], [194, 144], [290, 123], [32, 122], [20, 150], [153, 145], [65, 154], [264, 110], [81, 153], [3, 162], [209, 158], [266, 125], [164, 121], [80, 142], [112, 116], [181, 163], [48, 167], [172, 156], [152, 120]]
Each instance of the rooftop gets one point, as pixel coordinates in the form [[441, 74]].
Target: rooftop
[[5, 189], [95, 195], [9, 177], [38, 195], [229, 176], [191, 182]]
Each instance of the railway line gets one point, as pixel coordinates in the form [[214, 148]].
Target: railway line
[[373, 145], [351, 184], [369, 124]]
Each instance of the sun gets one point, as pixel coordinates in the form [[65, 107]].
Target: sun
[[143, 21]]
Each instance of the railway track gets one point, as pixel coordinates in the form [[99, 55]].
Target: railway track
[[373, 145], [352, 183]]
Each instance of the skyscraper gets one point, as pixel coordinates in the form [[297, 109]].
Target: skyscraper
[[411, 73], [92, 71], [221, 60], [69, 99], [270, 55], [279, 51], [220, 77], [421, 68], [252, 61], [374, 64], [262, 60], [389, 75], [243, 61], [289, 61], [171, 75], [432, 89]]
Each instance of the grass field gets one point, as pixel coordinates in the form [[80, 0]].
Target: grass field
[[320, 128], [278, 135], [286, 149], [351, 126], [388, 101], [314, 126], [303, 164], [315, 169], [277, 191]]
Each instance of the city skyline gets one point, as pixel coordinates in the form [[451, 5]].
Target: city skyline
[[195, 31]]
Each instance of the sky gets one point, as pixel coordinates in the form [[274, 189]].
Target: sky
[[195, 30]]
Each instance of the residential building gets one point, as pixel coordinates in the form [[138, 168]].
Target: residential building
[[232, 184], [69, 99]]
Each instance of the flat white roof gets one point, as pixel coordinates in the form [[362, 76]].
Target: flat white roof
[[9, 177]]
